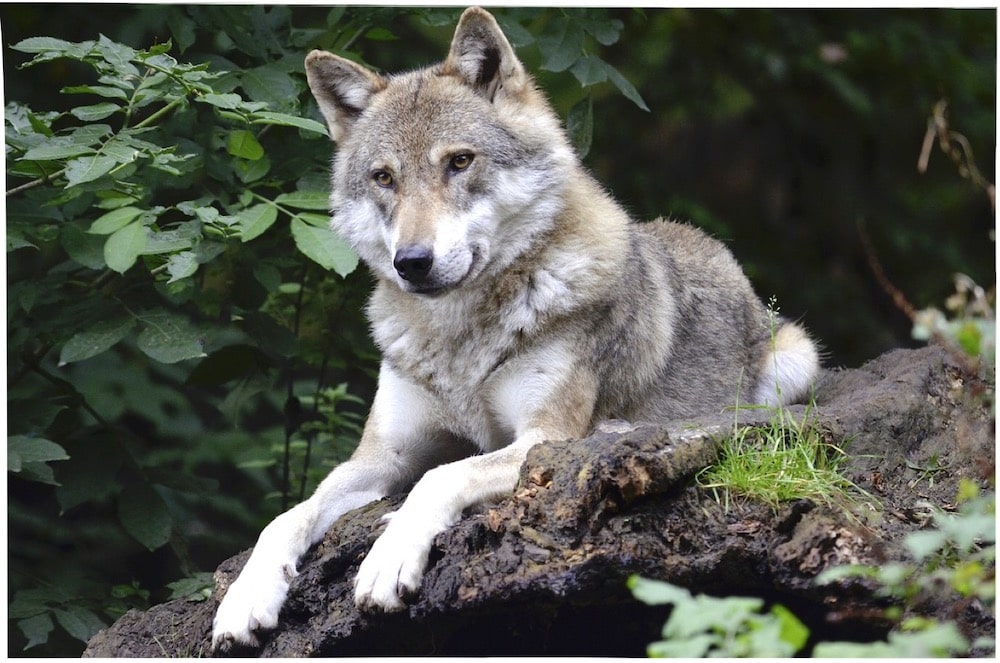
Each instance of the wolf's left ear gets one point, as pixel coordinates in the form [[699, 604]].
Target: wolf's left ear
[[482, 57], [342, 89]]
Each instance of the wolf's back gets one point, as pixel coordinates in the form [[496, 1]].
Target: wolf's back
[[720, 345]]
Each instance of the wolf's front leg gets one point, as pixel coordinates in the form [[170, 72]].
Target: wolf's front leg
[[255, 598], [539, 401], [400, 442], [394, 567]]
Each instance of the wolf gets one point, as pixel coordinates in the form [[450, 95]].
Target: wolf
[[515, 302]]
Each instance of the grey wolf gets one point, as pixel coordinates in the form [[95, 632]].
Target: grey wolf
[[516, 302]]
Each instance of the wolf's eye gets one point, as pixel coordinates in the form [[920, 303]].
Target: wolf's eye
[[382, 178], [460, 162]]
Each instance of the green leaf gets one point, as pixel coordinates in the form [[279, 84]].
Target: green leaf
[[324, 247], [183, 30], [590, 70], [604, 31], [229, 101], [244, 144], [180, 238], [35, 601], [312, 200], [82, 247], [562, 48], [625, 87], [95, 112], [88, 169], [251, 171], [695, 647], [102, 336], [50, 48], [707, 612], [196, 588], [79, 622], [145, 515], [313, 219], [285, 120], [124, 150], [22, 449], [656, 592], [117, 54], [925, 543], [254, 221], [58, 148], [182, 265], [937, 640], [124, 246], [36, 630], [169, 338], [100, 90], [272, 84], [16, 240], [793, 631], [116, 219], [39, 472]]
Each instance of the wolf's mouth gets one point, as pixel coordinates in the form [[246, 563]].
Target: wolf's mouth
[[437, 289]]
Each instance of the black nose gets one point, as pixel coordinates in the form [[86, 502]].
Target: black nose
[[413, 263]]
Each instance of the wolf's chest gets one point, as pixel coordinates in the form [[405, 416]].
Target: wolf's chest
[[458, 371]]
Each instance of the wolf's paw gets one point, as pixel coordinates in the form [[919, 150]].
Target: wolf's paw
[[394, 567], [251, 604]]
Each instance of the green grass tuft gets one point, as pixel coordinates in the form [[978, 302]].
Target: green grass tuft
[[782, 461]]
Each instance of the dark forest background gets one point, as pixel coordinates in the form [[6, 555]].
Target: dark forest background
[[793, 135]]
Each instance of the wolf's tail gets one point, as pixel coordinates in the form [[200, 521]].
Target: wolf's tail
[[790, 367]]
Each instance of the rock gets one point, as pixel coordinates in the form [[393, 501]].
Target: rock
[[543, 572]]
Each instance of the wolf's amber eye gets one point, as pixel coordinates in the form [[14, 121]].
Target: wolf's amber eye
[[460, 162], [382, 178]]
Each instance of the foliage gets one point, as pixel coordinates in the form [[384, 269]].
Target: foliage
[[186, 351], [957, 555], [971, 325], [143, 274], [732, 626]]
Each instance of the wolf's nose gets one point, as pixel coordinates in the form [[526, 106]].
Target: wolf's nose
[[413, 263]]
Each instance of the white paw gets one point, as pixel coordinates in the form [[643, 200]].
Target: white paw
[[394, 567], [252, 603]]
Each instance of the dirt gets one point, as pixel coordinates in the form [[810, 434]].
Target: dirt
[[543, 572]]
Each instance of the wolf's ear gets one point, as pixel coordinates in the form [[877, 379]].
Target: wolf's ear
[[342, 89], [482, 57]]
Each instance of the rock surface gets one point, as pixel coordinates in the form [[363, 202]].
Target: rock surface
[[543, 572]]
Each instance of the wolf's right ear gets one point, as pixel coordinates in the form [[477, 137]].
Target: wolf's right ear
[[481, 56], [342, 89]]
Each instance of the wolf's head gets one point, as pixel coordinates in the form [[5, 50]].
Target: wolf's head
[[444, 173]]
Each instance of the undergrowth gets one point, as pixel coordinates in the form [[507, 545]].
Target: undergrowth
[[955, 557]]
